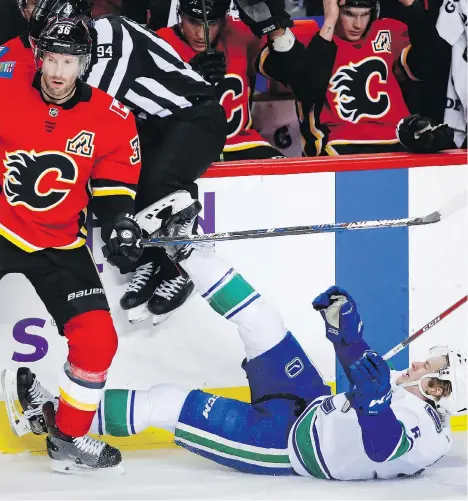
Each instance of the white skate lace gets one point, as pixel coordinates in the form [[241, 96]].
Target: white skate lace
[[38, 396], [89, 445], [185, 228], [142, 274], [169, 288]]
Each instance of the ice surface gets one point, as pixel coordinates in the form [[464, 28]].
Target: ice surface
[[178, 474]]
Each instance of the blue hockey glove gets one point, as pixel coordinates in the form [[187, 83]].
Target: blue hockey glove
[[371, 392], [342, 321]]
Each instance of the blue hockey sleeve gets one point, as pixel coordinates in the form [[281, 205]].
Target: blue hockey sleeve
[[347, 354], [383, 436]]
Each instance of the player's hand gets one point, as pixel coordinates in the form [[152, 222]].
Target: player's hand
[[210, 65], [121, 247], [371, 392], [423, 135], [331, 10], [342, 321], [263, 16]]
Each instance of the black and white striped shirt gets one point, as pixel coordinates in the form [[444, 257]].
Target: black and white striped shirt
[[141, 70]]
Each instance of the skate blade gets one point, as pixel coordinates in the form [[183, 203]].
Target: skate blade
[[19, 424], [71, 468], [159, 319], [138, 314]]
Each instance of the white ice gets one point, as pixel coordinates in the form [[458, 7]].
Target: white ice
[[178, 474]]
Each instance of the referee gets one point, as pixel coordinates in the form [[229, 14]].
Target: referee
[[182, 130]]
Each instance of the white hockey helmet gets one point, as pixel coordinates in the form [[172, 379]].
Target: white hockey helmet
[[455, 372]]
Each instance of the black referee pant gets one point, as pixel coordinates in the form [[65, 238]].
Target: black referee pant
[[175, 152]]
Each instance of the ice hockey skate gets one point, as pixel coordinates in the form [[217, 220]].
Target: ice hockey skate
[[175, 290], [139, 291], [78, 454], [25, 388], [159, 289]]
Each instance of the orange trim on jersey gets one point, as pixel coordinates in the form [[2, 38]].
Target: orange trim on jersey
[[17, 240], [404, 63]]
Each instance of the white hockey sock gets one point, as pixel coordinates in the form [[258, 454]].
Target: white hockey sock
[[260, 325], [127, 412]]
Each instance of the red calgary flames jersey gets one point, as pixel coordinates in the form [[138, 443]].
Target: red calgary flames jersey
[[364, 101], [54, 158], [241, 48]]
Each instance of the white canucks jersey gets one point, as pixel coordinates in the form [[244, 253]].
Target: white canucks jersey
[[327, 443]]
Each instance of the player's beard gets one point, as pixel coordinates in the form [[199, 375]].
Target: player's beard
[[60, 94]]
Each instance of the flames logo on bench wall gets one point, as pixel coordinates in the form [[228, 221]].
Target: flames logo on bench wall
[[351, 85], [24, 183]]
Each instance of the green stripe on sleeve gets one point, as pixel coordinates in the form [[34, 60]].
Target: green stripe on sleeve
[[115, 412], [231, 295]]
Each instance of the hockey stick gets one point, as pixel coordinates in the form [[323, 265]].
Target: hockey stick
[[400, 346], [445, 211], [391, 353], [206, 28]]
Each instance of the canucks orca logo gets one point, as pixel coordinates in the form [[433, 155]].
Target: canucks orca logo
[[39, 181], [351, 84]]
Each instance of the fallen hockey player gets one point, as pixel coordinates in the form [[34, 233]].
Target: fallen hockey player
[[398, 423]]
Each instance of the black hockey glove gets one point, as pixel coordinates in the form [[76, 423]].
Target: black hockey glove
[[210, 65], [263, 16], [423, 135], [120, 249]]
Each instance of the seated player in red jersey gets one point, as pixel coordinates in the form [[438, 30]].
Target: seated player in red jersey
[[63, 145], [345, 75], [229, 67]]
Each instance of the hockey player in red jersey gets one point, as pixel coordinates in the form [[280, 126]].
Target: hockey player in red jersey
[[64, 144], [229, 66], [344, 75], [174, 105]]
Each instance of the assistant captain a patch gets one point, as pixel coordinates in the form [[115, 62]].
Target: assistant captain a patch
[[6, 69]]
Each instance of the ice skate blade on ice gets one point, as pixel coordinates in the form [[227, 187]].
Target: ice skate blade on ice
[[138, 314], [19, 424], [159, 319], [72, 468]]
